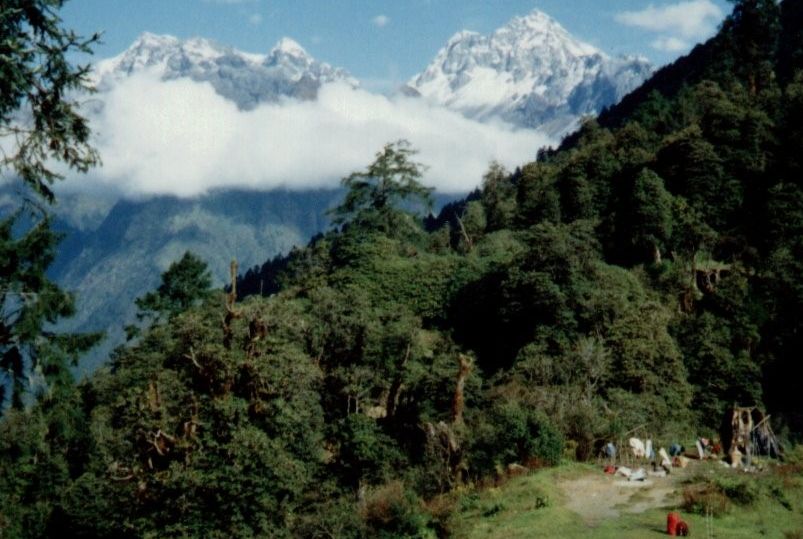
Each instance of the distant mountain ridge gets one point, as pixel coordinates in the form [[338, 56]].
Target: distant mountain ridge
[[530, 72], [245, 78]]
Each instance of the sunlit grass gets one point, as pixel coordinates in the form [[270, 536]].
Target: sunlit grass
[[516, 509]]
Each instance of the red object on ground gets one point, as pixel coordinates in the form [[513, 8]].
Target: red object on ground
[[672, 521], [682, 529], [610, 470]]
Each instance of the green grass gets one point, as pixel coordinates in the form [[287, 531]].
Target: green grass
[[513, 510]]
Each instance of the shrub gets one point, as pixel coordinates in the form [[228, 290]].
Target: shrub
[[442, 510], [493, 509], [333, 517], [547, 445], [738, 491], [365, 453], [704, 499], [392, 510], [718, 495], [511, 432]]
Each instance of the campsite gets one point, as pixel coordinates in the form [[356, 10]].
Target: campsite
[[581, 500]]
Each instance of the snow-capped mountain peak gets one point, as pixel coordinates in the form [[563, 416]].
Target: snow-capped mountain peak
[[461, 36], [540, 31], [146, 51], [290, 47], [148, 40], [166, 54], [245, 78], [530, 72], [292, 60]]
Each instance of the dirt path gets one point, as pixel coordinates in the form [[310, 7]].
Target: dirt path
[[599, 497]]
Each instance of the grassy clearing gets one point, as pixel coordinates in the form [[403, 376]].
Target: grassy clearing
[[768, 504]]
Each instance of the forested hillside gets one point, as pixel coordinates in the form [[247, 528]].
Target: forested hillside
[[647, 273]]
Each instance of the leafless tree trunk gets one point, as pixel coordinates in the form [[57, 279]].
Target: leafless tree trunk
[[458, 401], [395, 387], [231, 312]]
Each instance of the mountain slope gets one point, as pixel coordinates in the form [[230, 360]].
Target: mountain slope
[[114, 251], [530, 72], [111, 261]]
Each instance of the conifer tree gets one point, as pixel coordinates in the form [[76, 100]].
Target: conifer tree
[[184, 283], [41, 124], [373, 194]]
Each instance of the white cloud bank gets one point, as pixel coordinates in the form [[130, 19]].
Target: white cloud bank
[[180, 137], [680, 24], [670, 44]]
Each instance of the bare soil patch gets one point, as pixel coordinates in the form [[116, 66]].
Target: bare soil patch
[[597, 497]]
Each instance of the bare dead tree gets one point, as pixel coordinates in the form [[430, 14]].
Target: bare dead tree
[[458, 400], [231, 312], [443, 442], [395, 387], [464, 233]]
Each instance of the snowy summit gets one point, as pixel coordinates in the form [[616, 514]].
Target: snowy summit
[[245, 78], [531, 72]]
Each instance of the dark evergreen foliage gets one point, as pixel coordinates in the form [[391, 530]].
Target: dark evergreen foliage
[[185, 283], [36, 80], [39, 116]]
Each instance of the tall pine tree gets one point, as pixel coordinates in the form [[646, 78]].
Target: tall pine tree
[[37, 114]]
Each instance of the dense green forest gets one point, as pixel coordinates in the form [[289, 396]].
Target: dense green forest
[[647, 272]]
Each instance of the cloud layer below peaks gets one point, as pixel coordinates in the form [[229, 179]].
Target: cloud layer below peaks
[[180, 137]]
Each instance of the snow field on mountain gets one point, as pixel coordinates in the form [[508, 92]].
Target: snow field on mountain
[[529, 72]]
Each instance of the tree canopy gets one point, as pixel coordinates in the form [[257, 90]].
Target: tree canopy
[[185, 282], [376, 193]]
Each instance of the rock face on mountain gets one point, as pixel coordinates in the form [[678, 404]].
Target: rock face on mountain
[[247, 79], [531, 72]]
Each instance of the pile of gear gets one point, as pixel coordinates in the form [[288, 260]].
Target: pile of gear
[[662, 462]]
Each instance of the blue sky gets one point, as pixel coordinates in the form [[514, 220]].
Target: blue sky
[[384, 42]]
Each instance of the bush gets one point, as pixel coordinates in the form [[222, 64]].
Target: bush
[[705, 499], [547, 445], [716, 496], [392, 510], [365, 452], [738, 491], [442, 510], [335, 516], [511, 432]]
